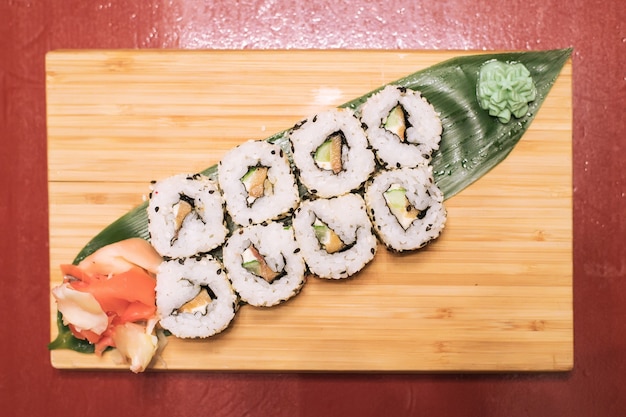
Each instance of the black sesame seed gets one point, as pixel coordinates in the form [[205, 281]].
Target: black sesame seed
[[156, 209]]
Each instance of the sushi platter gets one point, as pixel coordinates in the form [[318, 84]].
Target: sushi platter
[[492, 293]]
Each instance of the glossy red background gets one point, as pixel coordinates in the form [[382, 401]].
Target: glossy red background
[[29, 386]]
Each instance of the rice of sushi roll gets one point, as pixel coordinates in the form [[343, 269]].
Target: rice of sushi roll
[[335, 235], [257, 183], [402, 127], [194, 297], [331, 153], [264, 264], [406, 207], [186, 216]]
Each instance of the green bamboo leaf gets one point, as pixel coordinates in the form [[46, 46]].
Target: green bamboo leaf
[[66, 340], [472, 142]]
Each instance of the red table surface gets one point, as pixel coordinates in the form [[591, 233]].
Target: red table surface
[[29, 385]]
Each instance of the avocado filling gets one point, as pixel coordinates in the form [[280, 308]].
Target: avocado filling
[[199, 304], [397, 122], [329, 240], [400, 206], [256, 183], [328, 154], [255, 263]]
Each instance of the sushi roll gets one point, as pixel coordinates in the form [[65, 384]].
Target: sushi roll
[[335, 235], [186, 216], [406, 207], [194, 297], [264, 264], [257, 183], [331, 153], [401, 126]]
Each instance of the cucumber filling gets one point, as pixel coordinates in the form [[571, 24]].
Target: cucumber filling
[[256, 264], [328, 239], [397, 122], [328, 156], [256, 183], [400, 207]]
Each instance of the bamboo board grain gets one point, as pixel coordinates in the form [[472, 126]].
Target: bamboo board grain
[[493, 293]]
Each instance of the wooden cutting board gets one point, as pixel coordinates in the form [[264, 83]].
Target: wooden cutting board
[[493, 293]]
